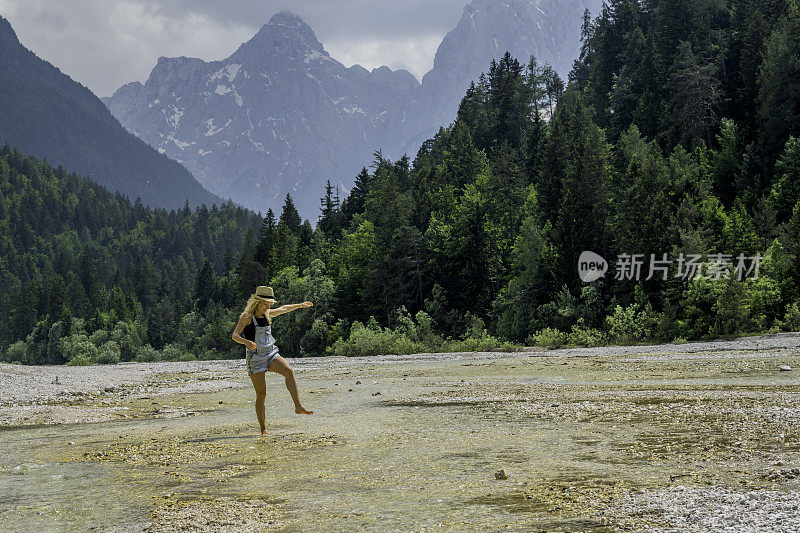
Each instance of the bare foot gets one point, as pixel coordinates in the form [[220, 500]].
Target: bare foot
[[303, 411], [264, 432]]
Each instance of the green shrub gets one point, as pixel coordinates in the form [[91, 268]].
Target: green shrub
[[211, 354], [425, 333], [547, 338], [18, 352], [463, 345], [584, 336], [486, 343], [403, 323], [172, 352], [791, 321], [128, 338], [186, 357], [100, 337], [372, 340], [315, 339], [108, 353], [630, 324], [476, 328], [404, 346], [147, 354], [80, 360], [73, 346]]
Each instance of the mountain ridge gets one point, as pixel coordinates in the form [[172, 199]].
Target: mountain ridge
[[325, 119]]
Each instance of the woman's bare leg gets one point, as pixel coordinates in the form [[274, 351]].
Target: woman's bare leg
[[280, 366], [260, 385]]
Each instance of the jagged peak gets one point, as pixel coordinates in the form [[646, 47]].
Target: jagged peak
[[7, 33], [286, 17], [287, 28], [284, 22]]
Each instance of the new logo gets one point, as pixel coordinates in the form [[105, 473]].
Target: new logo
[[591, 267]]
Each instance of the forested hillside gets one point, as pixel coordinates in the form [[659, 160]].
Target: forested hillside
[[76, 258], [676, 133]]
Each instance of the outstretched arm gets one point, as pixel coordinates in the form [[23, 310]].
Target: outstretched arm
[[287, 308]]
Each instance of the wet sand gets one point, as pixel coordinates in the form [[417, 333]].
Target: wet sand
[[698, 436]]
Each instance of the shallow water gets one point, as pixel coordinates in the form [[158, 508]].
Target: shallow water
[[572, 434]]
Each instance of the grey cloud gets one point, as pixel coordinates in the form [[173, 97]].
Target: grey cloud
[[106, 44]]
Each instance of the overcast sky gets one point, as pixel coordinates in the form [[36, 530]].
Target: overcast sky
[[107, 43]]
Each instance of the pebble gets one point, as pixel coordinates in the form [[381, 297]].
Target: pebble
[[715, 508], [500, 474], [785, 368]]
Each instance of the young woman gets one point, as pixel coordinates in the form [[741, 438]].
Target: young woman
[[254, 331]]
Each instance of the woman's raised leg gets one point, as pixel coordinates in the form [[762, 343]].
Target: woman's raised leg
[[279, 365], [260, 385]]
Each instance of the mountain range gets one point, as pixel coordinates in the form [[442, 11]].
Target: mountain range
[[43, 112], [281, 115]]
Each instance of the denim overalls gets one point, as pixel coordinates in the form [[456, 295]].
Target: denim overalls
[[259, 359]]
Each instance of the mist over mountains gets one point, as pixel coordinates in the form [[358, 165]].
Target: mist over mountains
[[281, 115]]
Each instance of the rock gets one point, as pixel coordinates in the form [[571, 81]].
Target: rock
[[376, 393], [358, 383], [500, 474], [785, 368]]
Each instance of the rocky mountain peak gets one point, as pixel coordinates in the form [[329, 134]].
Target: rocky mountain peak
[[176, 69], [287, 19], [286, 36], [7, 33]]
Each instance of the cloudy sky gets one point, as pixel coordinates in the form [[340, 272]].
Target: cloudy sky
[[107, 43]]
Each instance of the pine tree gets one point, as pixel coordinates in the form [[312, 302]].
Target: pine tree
[[289, 215], [205, 288], [264, 250], [354, 203], [330, 220], [779, 89], [695, 97]]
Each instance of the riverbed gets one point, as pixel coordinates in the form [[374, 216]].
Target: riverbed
[[696, 436]]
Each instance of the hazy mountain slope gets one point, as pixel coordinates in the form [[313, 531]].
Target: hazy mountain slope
[[546, 29], [45, 113]]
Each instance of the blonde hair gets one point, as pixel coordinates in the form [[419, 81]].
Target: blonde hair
[[251, 304]]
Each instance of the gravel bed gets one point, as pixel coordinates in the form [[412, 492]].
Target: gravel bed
[[715, 508], [25, 385]]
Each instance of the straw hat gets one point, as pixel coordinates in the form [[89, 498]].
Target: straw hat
[[264, 293]]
